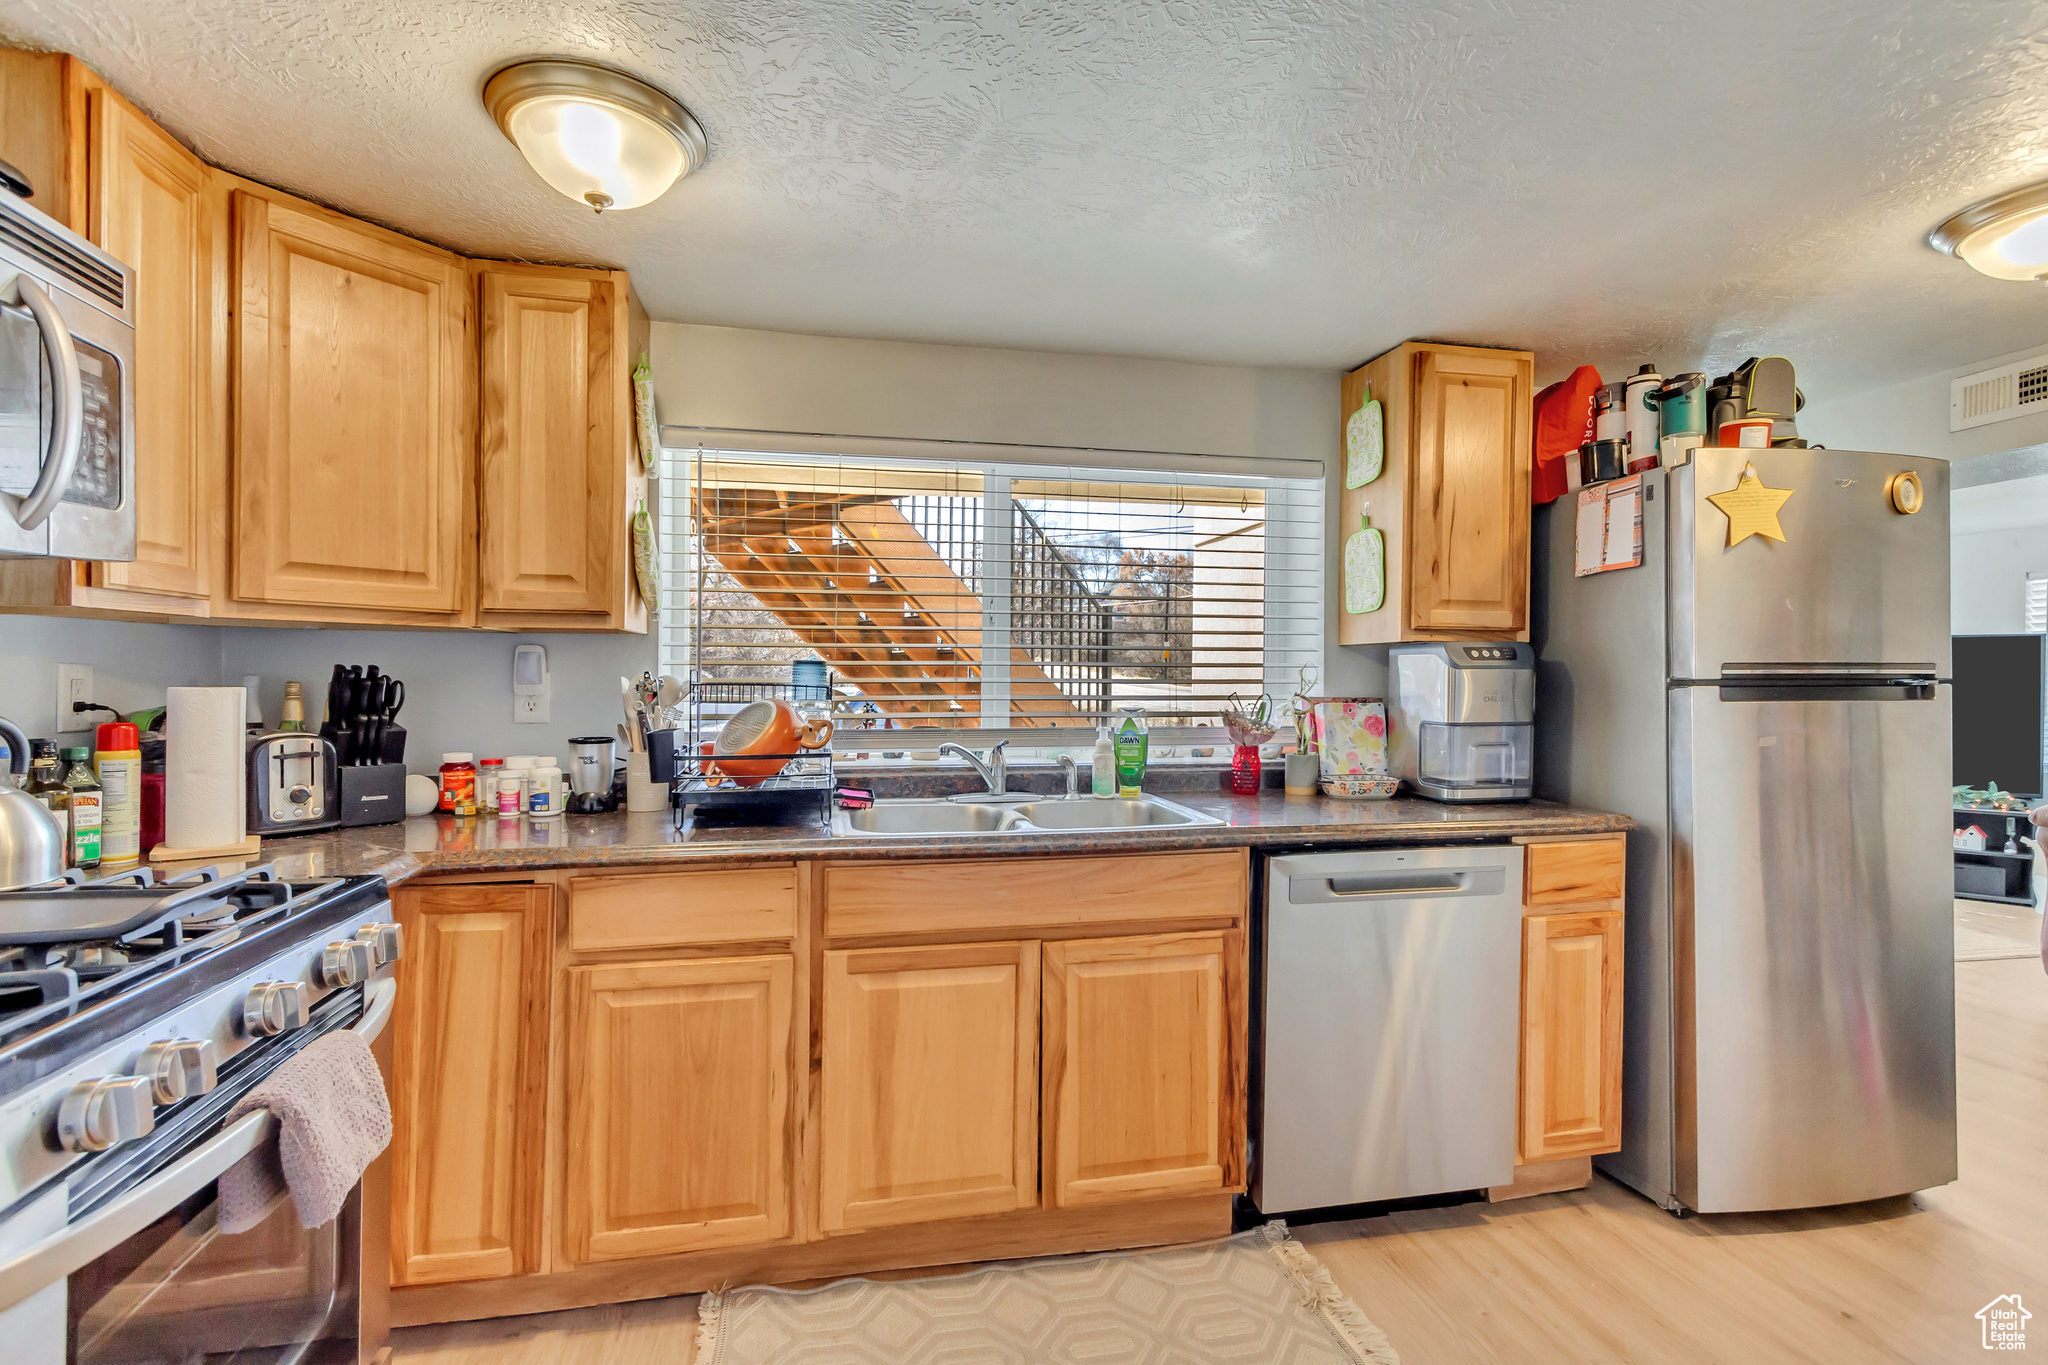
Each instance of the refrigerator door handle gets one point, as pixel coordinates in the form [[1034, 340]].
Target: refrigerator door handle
[[1730, 672], [1832, 689]]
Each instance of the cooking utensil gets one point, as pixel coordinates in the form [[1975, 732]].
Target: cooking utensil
[[769, 726], [629, 699]]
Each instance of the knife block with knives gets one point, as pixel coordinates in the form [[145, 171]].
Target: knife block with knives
[[369, 744]]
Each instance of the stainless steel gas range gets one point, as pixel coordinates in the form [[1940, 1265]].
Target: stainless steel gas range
[[133, 1014]]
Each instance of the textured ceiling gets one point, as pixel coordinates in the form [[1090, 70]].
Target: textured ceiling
[[1274, 183]]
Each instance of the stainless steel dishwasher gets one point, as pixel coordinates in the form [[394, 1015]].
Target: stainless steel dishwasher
[[1392, 987]]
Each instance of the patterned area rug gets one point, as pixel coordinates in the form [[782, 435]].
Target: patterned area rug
[[1258, 1298]]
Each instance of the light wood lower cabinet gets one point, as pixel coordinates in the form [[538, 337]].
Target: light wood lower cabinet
[[1571, 1034], [679, 1130], [930, 1074], [1136, 1050], [469, 1084]]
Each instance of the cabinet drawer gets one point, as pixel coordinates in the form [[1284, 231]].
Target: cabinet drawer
[[863, 899], [737, 905], [1574, 873]]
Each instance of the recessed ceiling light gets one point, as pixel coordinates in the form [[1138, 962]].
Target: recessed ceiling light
[[601, 137], [2006, 236]]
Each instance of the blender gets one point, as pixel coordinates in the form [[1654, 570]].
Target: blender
[[590, 775]]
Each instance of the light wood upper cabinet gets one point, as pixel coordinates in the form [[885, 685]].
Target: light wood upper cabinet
[[1137, 1070], [353, 414], [1571, 1034], [930, 1076], [469, 1082], [1468, 546], [679, 1085], [156, 206], [1452, 501], [317, 439], [558, 475]]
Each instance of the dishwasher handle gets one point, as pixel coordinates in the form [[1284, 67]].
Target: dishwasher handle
[[1422, 883]]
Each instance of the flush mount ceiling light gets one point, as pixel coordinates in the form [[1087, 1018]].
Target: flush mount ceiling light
[[2006, 236], [599, 136]]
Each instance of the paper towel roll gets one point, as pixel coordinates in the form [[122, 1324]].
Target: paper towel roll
[[206, 768]]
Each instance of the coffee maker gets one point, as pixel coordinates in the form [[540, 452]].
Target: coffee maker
[[1463, 719]]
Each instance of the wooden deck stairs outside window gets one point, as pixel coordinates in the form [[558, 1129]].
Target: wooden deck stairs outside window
[[853, 578]]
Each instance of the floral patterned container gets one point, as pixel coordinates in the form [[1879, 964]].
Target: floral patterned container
[[1351, 736]]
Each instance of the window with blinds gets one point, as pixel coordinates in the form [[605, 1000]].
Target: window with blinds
[[2037, 603], [959, 596]]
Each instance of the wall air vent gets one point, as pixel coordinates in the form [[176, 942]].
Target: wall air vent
[[1998, 395]]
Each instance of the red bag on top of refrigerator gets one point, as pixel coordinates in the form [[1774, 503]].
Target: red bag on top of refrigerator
[[1563, 423]]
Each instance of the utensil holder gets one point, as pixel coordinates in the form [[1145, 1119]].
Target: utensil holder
[[643, 793]]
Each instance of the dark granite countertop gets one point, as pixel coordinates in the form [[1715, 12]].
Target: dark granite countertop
[[435, 845]]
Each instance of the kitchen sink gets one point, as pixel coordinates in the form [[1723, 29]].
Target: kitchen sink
[[1119, 812], [914, 816], [910, 817]]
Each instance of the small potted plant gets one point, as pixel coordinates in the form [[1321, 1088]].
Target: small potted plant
[[1304, 765]]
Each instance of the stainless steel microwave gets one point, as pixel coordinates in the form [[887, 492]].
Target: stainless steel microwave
[[67, 393]]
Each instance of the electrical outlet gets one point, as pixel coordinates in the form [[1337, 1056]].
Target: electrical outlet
[[530, 710], [74, 684]]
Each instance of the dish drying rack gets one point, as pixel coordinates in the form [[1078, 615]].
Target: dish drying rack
[[807, 779]]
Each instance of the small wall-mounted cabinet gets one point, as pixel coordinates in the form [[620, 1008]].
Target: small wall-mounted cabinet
[[418, 439], [1451, 502]]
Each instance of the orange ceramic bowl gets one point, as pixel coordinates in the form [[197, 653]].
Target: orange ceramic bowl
[[770, 726]]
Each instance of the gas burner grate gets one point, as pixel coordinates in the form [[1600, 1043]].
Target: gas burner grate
[[67, 947]]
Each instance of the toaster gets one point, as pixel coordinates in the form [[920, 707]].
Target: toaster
[[293, 785]]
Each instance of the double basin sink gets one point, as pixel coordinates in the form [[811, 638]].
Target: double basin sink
[[1015, 814]]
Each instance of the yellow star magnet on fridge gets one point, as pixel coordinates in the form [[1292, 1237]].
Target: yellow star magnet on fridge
[[1751, 508]]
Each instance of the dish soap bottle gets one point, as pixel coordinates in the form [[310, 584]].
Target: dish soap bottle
[[1102, 768], [1131, 748]]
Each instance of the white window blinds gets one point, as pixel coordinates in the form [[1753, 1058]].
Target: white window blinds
[[983, 596], [2037, 603]]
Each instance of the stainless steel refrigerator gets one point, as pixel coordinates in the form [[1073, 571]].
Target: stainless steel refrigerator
[[1775, 715]]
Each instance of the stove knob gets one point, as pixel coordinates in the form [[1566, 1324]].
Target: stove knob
[[273, 1007], [98, 1114], [178, 1069], [387, 941], [348, 962]]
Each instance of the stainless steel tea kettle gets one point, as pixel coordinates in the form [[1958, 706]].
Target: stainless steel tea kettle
[[31, 838]]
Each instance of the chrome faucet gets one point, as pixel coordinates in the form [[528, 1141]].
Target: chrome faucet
[[995, 772], [1073, 773]]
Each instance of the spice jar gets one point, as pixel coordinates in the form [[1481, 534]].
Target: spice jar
[[458, 784]]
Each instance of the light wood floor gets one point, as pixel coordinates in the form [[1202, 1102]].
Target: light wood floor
[[1602, 1275]]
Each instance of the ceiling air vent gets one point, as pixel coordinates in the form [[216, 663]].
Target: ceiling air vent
[[1997, 395]]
